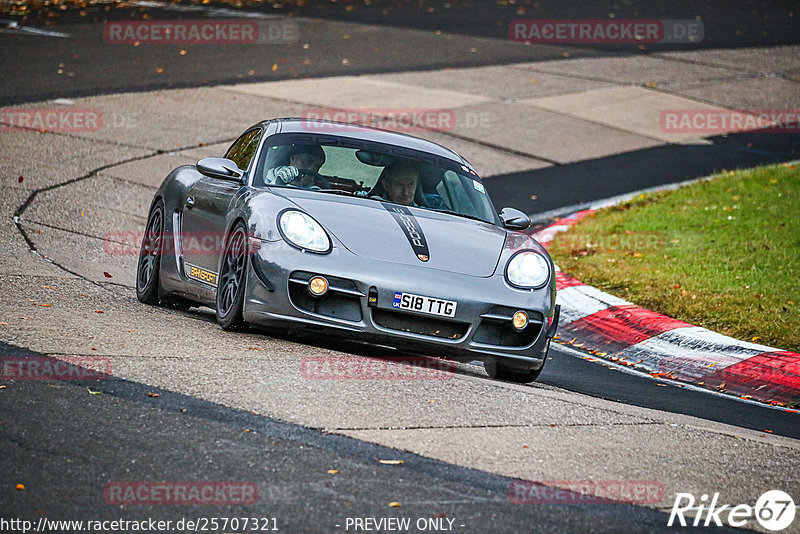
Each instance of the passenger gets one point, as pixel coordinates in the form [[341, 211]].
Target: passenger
[[303, 158], [400, 182]]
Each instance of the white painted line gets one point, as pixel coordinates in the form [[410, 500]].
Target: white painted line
[[217, 11], [13, 26], [578, 302]]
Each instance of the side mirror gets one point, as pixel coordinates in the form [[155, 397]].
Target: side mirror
[[221, 168], [514, 219]]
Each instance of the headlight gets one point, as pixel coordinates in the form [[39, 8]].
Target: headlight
[[528, 269], [303, 232]]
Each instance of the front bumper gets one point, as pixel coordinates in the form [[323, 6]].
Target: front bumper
[[358, 305]]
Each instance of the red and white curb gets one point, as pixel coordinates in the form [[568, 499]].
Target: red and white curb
[[617, 330]]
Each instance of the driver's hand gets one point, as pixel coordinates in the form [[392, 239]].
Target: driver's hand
[[286, 173], [306, 178]]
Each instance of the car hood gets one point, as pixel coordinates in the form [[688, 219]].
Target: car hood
[[373, 229]]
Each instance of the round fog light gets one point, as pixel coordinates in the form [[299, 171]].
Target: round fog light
[[318, 286], [520, 320]]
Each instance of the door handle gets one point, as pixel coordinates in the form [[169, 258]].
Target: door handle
[[189, 203]]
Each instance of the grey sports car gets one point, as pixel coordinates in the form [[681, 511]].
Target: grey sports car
[[368, 234]]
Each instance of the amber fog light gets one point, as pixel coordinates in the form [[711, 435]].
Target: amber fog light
[[318, 286], [520, 320]]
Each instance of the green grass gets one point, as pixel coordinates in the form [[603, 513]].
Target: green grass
[[723, 253]]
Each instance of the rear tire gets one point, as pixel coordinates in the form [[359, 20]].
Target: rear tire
[[232, 278], [149, 264]]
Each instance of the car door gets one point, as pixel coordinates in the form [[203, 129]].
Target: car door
[[206, 210]]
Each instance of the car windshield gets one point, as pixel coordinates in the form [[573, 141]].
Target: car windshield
[[377, 175]]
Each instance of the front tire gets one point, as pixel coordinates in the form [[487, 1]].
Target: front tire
[[232, 278], [149, 265], [501, 371]]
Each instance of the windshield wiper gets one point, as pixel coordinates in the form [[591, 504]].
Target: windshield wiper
[[335, 191], [450, 212]]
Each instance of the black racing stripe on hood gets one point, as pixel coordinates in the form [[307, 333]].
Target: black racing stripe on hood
[[411, 228]]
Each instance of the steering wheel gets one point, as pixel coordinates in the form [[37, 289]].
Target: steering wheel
[[316, 178]]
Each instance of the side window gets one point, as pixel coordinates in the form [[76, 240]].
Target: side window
[[453, 190], [243, 150]]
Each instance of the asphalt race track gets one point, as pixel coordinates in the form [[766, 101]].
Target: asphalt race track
[[187, 402]]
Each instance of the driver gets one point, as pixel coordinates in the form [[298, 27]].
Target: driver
[[303, 158], [400, 183]]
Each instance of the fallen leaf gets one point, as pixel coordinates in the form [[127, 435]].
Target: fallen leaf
[[755, 338], [151, 394], [106, 275], [92, 392], [20, 179], [395, 504], [98, 311], [159, 70], [45, 305], [332, 471], [247, 430], [49, 287], [768, 431], [3, 387], [21, 487]]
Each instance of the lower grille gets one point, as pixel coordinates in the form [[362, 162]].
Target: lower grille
[[416, 324], [496, 329], [340, 302]]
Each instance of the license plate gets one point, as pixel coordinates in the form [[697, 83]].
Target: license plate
[[422, 304]]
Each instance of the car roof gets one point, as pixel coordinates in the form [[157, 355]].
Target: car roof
[[366, 133]]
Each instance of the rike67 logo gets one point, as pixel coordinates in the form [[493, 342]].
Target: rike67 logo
[[774, 510]]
